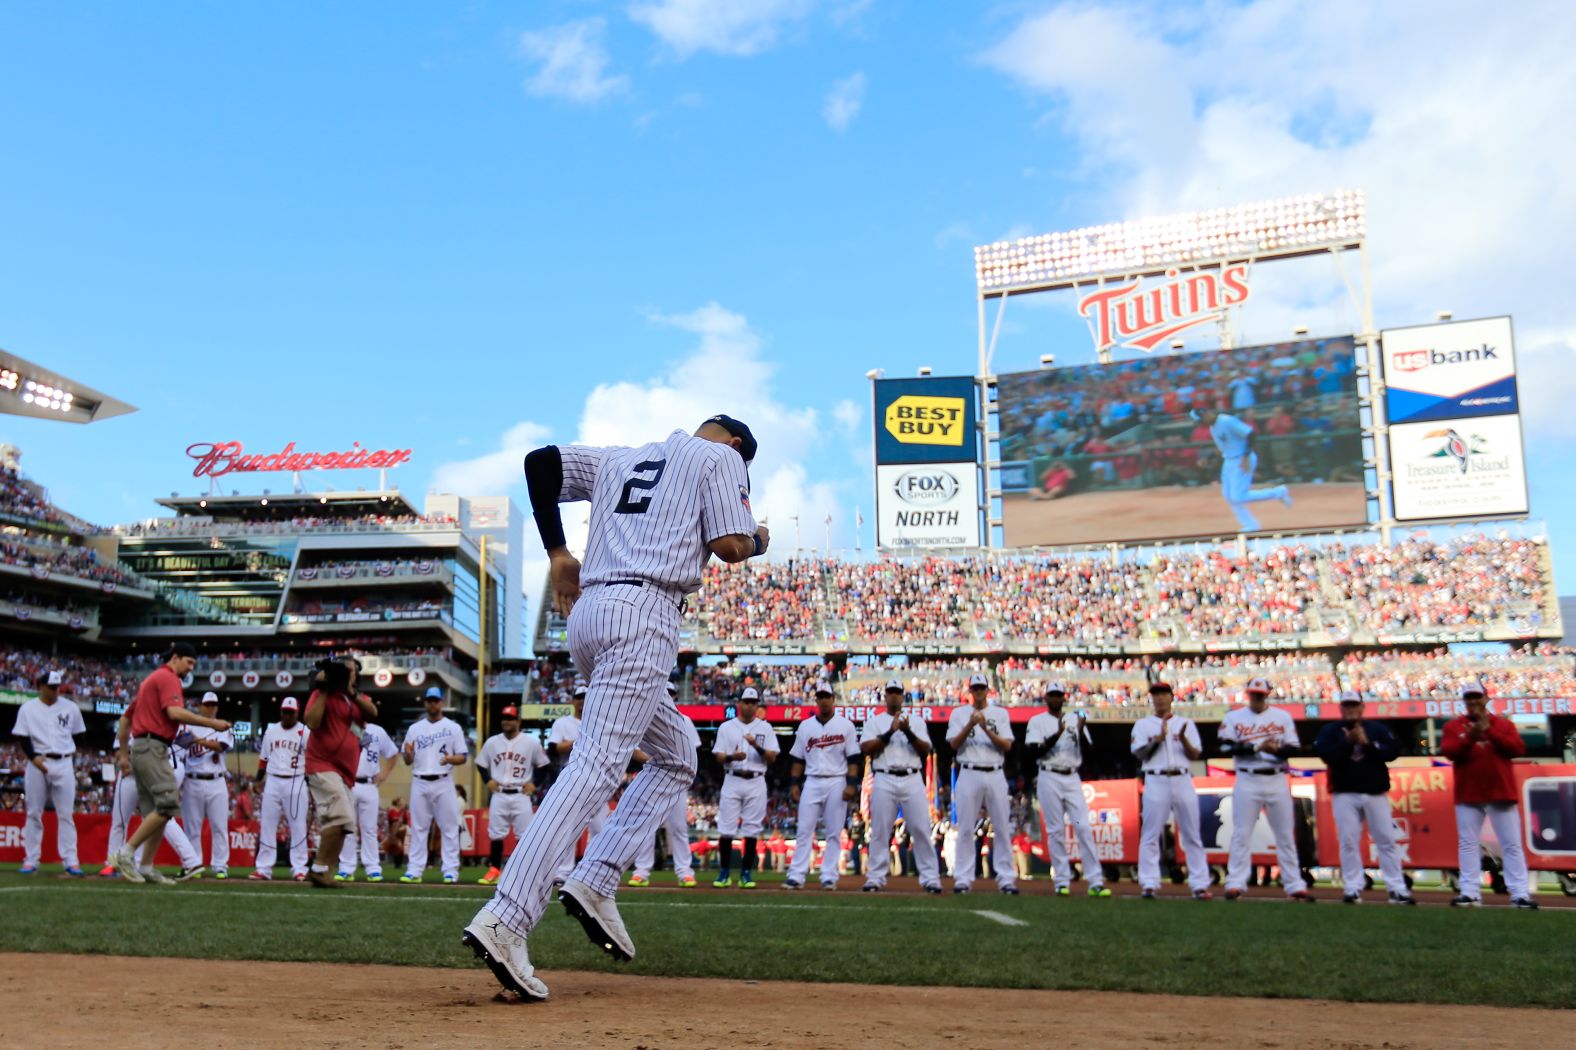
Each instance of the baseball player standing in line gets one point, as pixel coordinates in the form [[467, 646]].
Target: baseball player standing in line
[[561, 737], [980, 736], [658, 513], [508, 762], [1164, 745], [1260, 738], [1482, 745], [826, 774], [373, 768], [281, 766], [46, 729], [898, 745], [746, 746], [675, 822], [205, 791], [433, 747], [1358, 753], [1234, 438], [1058, 742], [124, 806]]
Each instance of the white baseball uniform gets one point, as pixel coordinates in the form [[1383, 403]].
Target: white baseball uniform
[[205, 795], [653, 511], [741, 805], [824, 748], [1168, 793], [125, 806], [566, 730], [1236, 483], [284, 795], [982, 785], [512, 763], [1261, 785], [898, 783], [1060, 791], [50, 728], [676, 823], [432, 795], [377, 747]]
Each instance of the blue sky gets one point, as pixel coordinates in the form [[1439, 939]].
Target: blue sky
[[465, 229]]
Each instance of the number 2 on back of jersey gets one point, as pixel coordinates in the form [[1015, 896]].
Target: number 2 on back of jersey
[[631, 503]]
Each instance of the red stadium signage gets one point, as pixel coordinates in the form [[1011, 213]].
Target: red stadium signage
[[216, 459], [1142, 317]]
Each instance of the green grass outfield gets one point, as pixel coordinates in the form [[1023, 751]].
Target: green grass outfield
[[1259, 948]]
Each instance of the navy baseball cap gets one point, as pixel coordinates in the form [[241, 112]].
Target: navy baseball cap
[[747, 445]]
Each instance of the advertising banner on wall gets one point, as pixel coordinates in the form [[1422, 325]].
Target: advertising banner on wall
[[928, 505], [1458, 468], [927, 455], [929, 420], [1454, 370]]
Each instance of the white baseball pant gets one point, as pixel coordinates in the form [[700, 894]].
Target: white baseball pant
[[676, 823], [208, 800], [820, 801], [888, 794], [1062, 803], [1171, 798], [977, 789], [1506, 819], [364, 799], [1272, 795], [283, 797], [433, 800], [1352, 810], [59, 786], [506, 813], [1236, 485], [625, 640], [124, 808], [741, 806]]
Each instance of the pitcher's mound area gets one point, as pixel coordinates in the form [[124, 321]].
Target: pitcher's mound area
[[131, 1004]]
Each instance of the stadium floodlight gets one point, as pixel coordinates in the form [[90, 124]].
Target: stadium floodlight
[[1301, 329], [1444, 315], [27, 389], [1283, 228], [924, 370]]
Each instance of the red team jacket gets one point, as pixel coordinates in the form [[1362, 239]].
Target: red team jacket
[[1483, 767]]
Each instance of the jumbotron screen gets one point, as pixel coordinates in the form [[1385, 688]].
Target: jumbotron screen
[[1260, 438]]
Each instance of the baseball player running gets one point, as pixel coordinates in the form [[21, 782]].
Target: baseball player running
[[46, 729], [205, 791], [658, 513], [675, 822], [825, 778], [372, 769], [433, 747], [1358, 753], [898, 744], [1234, 438], [1260, 739], [746, 746], [508, 761], [1057, 742], [281, 767], [1165, 744], [561, 737], [980, 736]]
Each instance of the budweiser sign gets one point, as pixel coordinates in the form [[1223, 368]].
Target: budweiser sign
[[1143, 316], [217, 459]]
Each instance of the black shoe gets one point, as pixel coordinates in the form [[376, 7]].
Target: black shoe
[[1463, 901], [1352, 898], [870, 887], [1403, 898], [1009, 891], [1525, 904], [960, 889], [932, 889]]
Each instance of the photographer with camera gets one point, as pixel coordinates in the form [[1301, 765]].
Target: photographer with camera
[[335, 714]]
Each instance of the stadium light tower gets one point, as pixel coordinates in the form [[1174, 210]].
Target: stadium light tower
[[27, 389]]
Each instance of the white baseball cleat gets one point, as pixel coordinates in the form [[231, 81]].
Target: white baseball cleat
[[504, 952], [126, 864], [1285, 495], [599, 916]]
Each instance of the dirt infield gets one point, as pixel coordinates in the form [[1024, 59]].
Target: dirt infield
[[1098, 517], [140, 1004]]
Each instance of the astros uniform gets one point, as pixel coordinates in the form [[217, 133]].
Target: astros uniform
[[898, 783], [205, 795], [1168, 793], [1261, 785], [676, 822], [50, 728], [377, 747], [824, 748], [1060, 791], [981, 785], [741, 805], [1236, 484], [284, 795], [513, 764], [432, 796]]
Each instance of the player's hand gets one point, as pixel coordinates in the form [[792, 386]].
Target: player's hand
[[977, 719], [564, 573], [123, 762], [492, 785], [38, 763], [765, 536], [850, 793], [1270, 747], [221, 725], [793, 792], [738, 756]]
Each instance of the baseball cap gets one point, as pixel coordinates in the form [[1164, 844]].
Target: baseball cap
[[510, 712], [181, 649], [55, 678], [747, 445], [210, 698], [977, 679], [289, 703], [893, 686], [434, 693], [1260, 685], [1473, 689], [824, 688], [1160, 687], [1055, 687], [1350, 696], [580, 689], [750, 693], [673, 689]]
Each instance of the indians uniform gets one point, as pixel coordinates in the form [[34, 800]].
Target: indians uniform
[[1232, 437], [284, 796], [432, 795], [1261, 785], [512, 763], [898, 783], [377, 747], [825, 748], [1060, 791], [205, 795], [741, 805], [49, 730], [126, 804], [981, 785], [1168, 793], [676, 823]]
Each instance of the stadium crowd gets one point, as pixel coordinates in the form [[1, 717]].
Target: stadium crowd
[[22, 500], [67, 561]]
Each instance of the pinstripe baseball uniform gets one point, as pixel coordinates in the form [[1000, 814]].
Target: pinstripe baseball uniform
[[654, 509]]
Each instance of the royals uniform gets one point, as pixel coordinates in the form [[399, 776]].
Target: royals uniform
[[1236, 484], [284, 795], [513, 764], [676, 822], [898, 782], [824, 748], [50, 729], [1168, 792], [1261, 785], [205, 795], [741, 806], [1060, 791], [377, 747], [981, 784], [432, 795]]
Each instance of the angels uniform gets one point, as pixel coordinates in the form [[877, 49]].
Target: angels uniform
[[432, 795], [741, 806], [513, 764], [49, 729], [1060, 791], [205, 795], [898, 782], [982, 785], [676, 822], [284, 795], [824, 748], [377, 747], [1261, 785], [1168, 792]]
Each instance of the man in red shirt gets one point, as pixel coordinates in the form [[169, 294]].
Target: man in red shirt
[[334, 714], [1482, 746], [143, 739]]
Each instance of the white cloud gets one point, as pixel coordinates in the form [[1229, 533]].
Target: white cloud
[[496, 472], [725, 27], [573, 62], [848, 415], [843, 102]]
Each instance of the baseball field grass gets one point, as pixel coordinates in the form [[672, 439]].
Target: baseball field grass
[[1252, 948]]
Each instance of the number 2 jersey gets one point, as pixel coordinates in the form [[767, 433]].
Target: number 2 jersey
[[284, 749]]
